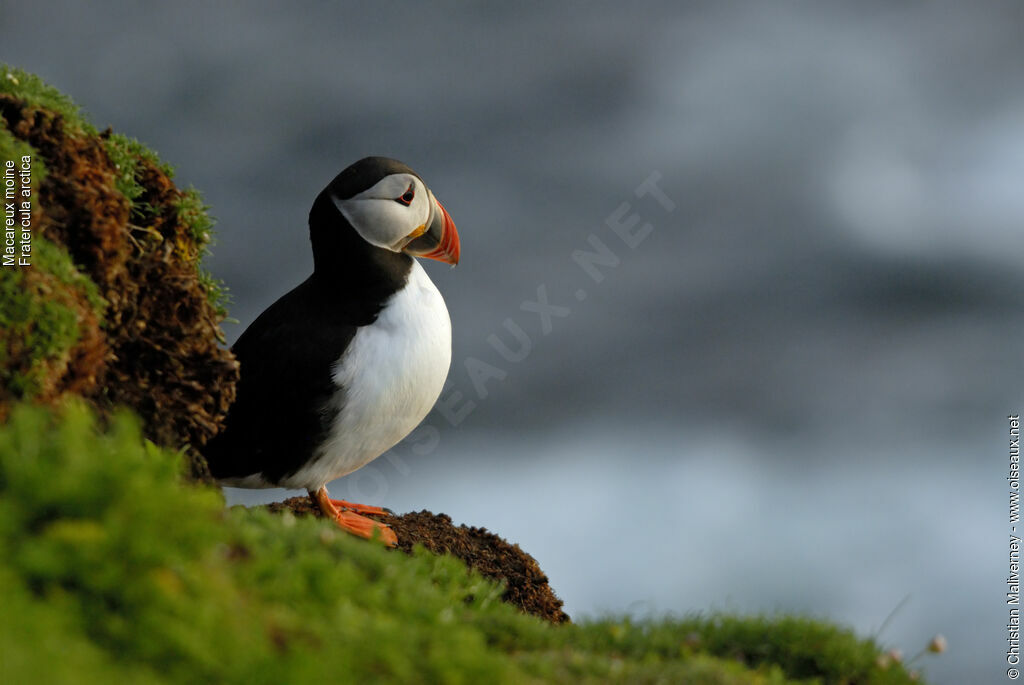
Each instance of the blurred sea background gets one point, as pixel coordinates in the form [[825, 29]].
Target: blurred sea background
[[790, 395]]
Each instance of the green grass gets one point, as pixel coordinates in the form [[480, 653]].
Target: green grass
[[126, 153], [111, 569], [196, 216], [32, 319], [46, 328], [56, 262], [29, 87], [13, 149]]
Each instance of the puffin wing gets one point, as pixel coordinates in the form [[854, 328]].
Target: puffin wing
[[286, 398]]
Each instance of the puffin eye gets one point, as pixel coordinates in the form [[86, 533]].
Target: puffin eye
[[407, 196]]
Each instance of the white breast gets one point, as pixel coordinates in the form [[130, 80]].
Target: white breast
[[388, 379]]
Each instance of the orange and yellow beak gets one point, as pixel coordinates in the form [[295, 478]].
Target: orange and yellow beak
[[439, 240]]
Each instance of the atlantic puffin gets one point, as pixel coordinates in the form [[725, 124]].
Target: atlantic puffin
[[345, 365]]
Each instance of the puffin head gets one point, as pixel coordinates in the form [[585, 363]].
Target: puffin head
[[390, 207]]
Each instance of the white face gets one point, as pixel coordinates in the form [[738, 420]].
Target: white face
[[391, 213]]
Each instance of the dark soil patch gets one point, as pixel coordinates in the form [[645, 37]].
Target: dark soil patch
[[526, 586]]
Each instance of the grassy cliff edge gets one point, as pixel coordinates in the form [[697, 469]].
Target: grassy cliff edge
[[112, 567]]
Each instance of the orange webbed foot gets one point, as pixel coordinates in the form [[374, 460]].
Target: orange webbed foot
[[366, 527], [348, 517]]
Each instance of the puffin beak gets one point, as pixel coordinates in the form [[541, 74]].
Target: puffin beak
[[439, 239]]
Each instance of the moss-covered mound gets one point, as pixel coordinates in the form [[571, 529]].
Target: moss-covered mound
[[491, 556], [113, 305], [113, 570]]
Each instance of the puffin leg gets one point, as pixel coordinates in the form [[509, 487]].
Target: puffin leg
[[352, 522], [361, 508]]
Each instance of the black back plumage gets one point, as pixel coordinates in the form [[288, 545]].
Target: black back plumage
[[286, 398]]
